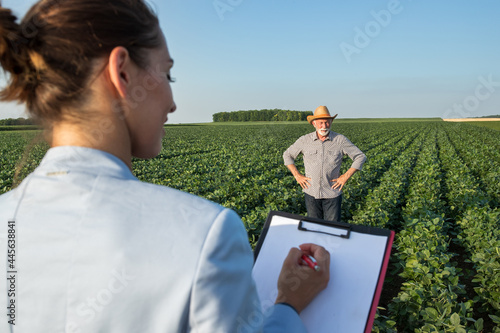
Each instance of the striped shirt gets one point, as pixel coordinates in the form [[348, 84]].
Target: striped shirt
[[322, 161]]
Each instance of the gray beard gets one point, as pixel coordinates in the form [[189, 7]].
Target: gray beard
[[324, 132]]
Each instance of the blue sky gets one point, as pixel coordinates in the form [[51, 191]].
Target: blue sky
[[360, 58]]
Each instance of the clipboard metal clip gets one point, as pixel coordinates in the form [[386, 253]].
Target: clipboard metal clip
[[326, 228]]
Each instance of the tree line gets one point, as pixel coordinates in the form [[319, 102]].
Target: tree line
[[18, 121], [261, 115], [492, 116]]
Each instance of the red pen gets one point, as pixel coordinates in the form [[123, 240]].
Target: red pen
[[311, 262]]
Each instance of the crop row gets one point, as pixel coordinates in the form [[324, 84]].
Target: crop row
[[379, 160], [20, 153], [482, 159], [382, 204], [429, 297], [479, 229]]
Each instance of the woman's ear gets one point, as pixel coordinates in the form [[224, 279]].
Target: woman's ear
[[119, 70]]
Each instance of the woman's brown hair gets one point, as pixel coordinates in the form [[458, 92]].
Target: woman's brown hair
[[49, 54]]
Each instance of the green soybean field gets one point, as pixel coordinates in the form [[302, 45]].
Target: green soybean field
[[436, 184]]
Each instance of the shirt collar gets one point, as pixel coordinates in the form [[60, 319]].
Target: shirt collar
[[65, 159], [314, 136]]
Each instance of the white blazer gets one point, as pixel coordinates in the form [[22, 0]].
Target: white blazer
[[96, 250]]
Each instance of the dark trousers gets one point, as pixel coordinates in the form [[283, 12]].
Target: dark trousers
[[326, 209]]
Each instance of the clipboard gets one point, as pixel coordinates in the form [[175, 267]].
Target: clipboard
[[359, 258]]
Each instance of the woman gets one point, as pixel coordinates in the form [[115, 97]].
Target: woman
[[90, 248]]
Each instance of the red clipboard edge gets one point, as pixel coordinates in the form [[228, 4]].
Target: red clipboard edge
[[378, 291]]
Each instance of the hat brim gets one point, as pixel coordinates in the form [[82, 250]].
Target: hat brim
[[311, 118]]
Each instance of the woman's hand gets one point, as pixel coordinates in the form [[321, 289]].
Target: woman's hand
[[299, 284]]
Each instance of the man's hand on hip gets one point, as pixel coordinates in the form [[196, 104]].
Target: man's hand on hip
[[302, 180], [338, 183]]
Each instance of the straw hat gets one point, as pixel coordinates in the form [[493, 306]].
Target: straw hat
[[321, 112]]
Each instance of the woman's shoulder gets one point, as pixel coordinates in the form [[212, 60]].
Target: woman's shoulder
[[159, 199], [172, 193]]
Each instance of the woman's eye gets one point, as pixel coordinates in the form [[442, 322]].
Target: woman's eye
[[170, 78]]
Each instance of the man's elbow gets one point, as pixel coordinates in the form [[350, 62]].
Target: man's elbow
[[359, 161], [288, 160]]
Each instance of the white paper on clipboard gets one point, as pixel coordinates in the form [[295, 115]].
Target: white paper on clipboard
[[355, 270]]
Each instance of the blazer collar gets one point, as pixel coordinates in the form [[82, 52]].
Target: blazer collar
[[65, 159]]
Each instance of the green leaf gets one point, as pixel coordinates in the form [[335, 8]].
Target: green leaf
[[496, 319], [432, 313], [478, 325], [455, 319]]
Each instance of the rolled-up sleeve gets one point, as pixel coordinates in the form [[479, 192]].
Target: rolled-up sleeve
[[357, 156], [292, 152]]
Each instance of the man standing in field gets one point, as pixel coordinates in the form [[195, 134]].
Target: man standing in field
[[323, 151]]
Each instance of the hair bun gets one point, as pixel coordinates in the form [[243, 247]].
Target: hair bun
[[10, 36], [13, 56], [50, 53]]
